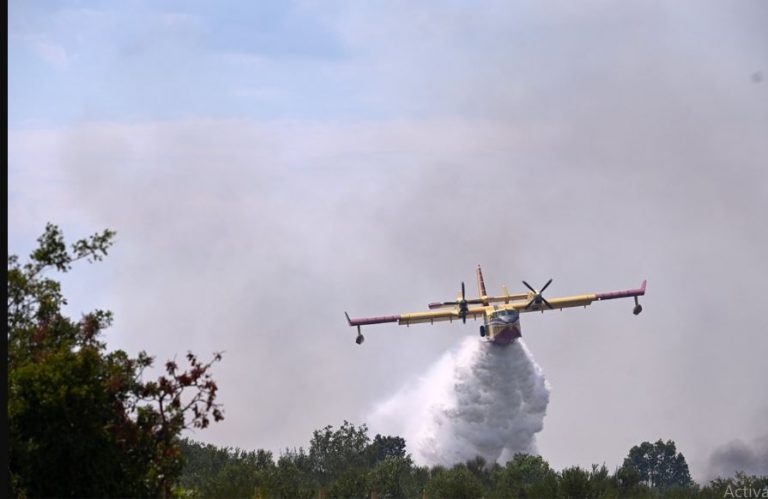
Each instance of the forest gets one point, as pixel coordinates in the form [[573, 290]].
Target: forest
[[345, 463]]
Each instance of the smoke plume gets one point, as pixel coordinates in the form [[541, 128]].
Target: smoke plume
[[481, 399], [735, 456]]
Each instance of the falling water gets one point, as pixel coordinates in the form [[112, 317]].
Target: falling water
[[481, 399]]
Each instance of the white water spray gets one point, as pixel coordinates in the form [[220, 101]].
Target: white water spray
[[482, 399]]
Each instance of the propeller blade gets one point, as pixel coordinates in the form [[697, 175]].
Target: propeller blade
[[473, 301], [529, 287], [545, 286], [463, 297], [548, 304], [530, 303], [464, 318]]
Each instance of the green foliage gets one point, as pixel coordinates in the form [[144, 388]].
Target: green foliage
[[600, 482], [349, 483], [215, 472], [574, 483], [396, 476], [458, 483], [224, 472], [293, 477], [739, 485], [81, 416], [383, 447], [525, 476], [659, 465], [333, 452]]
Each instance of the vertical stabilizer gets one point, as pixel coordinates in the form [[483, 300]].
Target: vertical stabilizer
[[481, 285]]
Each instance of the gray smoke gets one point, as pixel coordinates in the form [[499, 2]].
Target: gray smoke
[[481, 399], [735, 456]]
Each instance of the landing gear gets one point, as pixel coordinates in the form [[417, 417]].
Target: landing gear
[[638, 308], [482, 331], [360, 339]]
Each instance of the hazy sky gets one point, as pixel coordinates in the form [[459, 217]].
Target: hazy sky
[[269, 165]]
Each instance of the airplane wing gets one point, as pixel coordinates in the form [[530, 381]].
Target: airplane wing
[[415, 318], [537, 303], [420, 317]]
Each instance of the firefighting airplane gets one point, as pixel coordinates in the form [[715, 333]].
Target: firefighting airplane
[[501, 313]]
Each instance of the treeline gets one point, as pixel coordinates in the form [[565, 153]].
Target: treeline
[[346, 463]]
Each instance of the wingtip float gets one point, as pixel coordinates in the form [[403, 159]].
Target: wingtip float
[[500, 314]]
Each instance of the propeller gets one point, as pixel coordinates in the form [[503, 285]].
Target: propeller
[[463, 304], [463, 307], [538, 299], [471, 301]]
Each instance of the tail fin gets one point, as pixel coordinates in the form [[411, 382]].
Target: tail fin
[[481, 282]]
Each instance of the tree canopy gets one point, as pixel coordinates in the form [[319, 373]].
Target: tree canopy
[[340, 454], [659, 465], [81, 416]]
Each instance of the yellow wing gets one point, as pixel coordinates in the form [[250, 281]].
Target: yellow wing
[[430, 317], [536, 303], [557, 303], [440, 315]]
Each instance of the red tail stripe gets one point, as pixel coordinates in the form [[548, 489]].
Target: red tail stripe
[[623, 294], [373, 320]]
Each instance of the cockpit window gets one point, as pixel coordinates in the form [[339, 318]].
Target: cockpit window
[[508, 314]]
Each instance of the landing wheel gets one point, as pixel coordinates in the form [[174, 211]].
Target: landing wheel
[[360, 339], [482, 331], [637, 309]]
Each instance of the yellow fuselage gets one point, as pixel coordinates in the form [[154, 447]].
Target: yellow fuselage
[[502, 327]]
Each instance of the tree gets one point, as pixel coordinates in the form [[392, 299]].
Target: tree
[[456, 483], [210, 471], [574, 483], [525, 476], [659, 465], [349, 483], [201, 461], [601, 484], [480, 468], [80, 416], [292, 477], [335, 452], [740, 485], [341, 462], [627, 479], [383, 447], [395, 476]]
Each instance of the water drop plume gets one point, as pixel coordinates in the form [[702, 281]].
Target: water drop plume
[[479, 399]]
